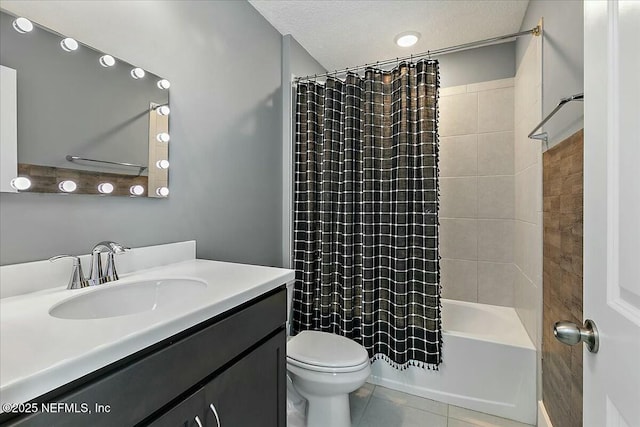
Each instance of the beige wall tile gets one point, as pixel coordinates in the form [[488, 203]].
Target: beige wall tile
[[519, 246], [527, 151], [495, 153], [495, 110], [527, 304], [495, 240], [459, 197], [495, 283], [459, 239], [459, 279], [458, 156], [491, 84], [528, 194], [496, 197], [532, 253], [453, 90], [459, 114]]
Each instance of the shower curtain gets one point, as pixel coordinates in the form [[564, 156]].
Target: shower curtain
[[366, 212]]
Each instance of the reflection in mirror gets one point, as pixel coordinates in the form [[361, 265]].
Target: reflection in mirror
[[76, 120]]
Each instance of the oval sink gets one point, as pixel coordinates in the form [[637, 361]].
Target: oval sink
[[121, 300]]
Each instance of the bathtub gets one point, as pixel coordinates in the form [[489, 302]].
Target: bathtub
[[488, 364]]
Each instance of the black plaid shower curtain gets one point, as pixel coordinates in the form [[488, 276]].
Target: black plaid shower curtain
[[366, 212]]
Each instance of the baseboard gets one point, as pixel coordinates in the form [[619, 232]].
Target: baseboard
[[543, 417]]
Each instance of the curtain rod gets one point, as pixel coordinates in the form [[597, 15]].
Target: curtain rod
[[535, 31]]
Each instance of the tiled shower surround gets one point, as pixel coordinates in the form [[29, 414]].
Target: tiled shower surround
[[477, 192]]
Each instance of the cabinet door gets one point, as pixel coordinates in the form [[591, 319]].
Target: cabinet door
[[188, 413], [252, 391]]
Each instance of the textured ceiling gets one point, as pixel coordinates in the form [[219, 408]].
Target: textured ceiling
[[346, 33]]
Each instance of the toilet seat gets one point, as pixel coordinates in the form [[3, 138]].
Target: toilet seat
[[326, 352], [326, 369]]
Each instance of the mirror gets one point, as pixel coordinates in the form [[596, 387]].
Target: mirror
[[78, 120]]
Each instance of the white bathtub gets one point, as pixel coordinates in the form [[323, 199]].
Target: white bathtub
[[488, 364]]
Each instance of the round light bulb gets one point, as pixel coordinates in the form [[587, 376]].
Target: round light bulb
[[67, 186], [137, 73], [164, 84], [136, 190], [69, 44], [107, 61], [163, 137], [163, 110], [162, 164], [22, 25], [162, 191], [407, 39], [105, 188], [21, 183]]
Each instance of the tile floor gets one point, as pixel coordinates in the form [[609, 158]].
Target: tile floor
[[376, 406]]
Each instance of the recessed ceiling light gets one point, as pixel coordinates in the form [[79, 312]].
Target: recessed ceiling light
[[406, 39]]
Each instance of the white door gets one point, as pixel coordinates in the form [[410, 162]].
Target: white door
[[612, 211]]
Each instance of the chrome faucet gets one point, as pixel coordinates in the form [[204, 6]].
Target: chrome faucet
[[77, 279], [96, 274]]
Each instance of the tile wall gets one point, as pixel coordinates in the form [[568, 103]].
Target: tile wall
[[477, 192], [528, 194]]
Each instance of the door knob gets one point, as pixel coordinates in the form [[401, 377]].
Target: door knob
[[571, 334]]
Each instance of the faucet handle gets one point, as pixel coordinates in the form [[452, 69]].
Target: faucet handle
[[77, 279]]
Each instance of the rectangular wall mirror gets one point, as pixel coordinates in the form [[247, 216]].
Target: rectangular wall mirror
[[76, 120]]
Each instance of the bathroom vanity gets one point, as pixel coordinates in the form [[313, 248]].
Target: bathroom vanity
[[210, 357]]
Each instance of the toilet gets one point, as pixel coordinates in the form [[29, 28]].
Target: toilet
[[324, 368]]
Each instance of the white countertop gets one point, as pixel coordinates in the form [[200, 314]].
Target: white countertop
[[39, 353]]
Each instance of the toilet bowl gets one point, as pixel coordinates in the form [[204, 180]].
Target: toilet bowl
[[324, 368]]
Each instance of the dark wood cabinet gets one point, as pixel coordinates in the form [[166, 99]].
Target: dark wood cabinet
[[245, 394], [235, 362]]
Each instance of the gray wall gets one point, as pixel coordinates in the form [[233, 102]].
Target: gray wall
[[478, 65], [223, 61], [562, 61], [296, 61]]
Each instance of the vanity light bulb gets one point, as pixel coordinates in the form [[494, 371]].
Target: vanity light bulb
[[137, 73], [107, 61], [163, 110], [69, 44], [164, 84], [163, 137], [136, 190], [162, 164], [22, 25], [162, 191], [67, 186], [21, 183], [105, 188]]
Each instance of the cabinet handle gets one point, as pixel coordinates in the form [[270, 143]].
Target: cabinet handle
[[215, 414], [198, 421]]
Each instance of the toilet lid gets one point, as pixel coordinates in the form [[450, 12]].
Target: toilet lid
[[325, 349]]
